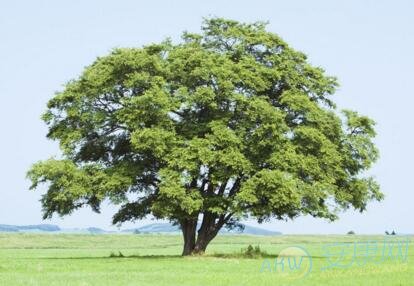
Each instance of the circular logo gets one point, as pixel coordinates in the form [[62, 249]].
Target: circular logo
[[293, 262]]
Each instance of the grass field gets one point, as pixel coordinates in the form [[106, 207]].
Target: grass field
[[63, 259]]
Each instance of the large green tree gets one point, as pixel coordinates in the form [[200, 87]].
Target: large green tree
[[227, 124]]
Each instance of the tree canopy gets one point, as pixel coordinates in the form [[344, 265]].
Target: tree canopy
[[226, 124]]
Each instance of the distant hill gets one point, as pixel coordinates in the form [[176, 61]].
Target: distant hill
[[28, 228], [259, 231], [169, 228], [149, 228], [96, 230], [155, 228]]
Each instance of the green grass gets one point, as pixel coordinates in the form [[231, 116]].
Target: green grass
[[60, 259]]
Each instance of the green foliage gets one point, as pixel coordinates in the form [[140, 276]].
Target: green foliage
[[228, 123]]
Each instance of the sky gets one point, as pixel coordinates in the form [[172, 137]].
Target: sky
[[368, 45]]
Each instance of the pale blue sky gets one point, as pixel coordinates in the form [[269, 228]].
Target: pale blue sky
[[368, 45]]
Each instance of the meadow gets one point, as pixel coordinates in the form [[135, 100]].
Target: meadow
[[151, 259]]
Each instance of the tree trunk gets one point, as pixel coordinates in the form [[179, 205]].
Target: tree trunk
[[208, 230], [202, 242], [188, 228]]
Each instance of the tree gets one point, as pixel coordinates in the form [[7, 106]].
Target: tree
[[227, 124]]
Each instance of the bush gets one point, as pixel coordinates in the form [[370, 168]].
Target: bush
[[113, 254], [253, 252], [351, 232]]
